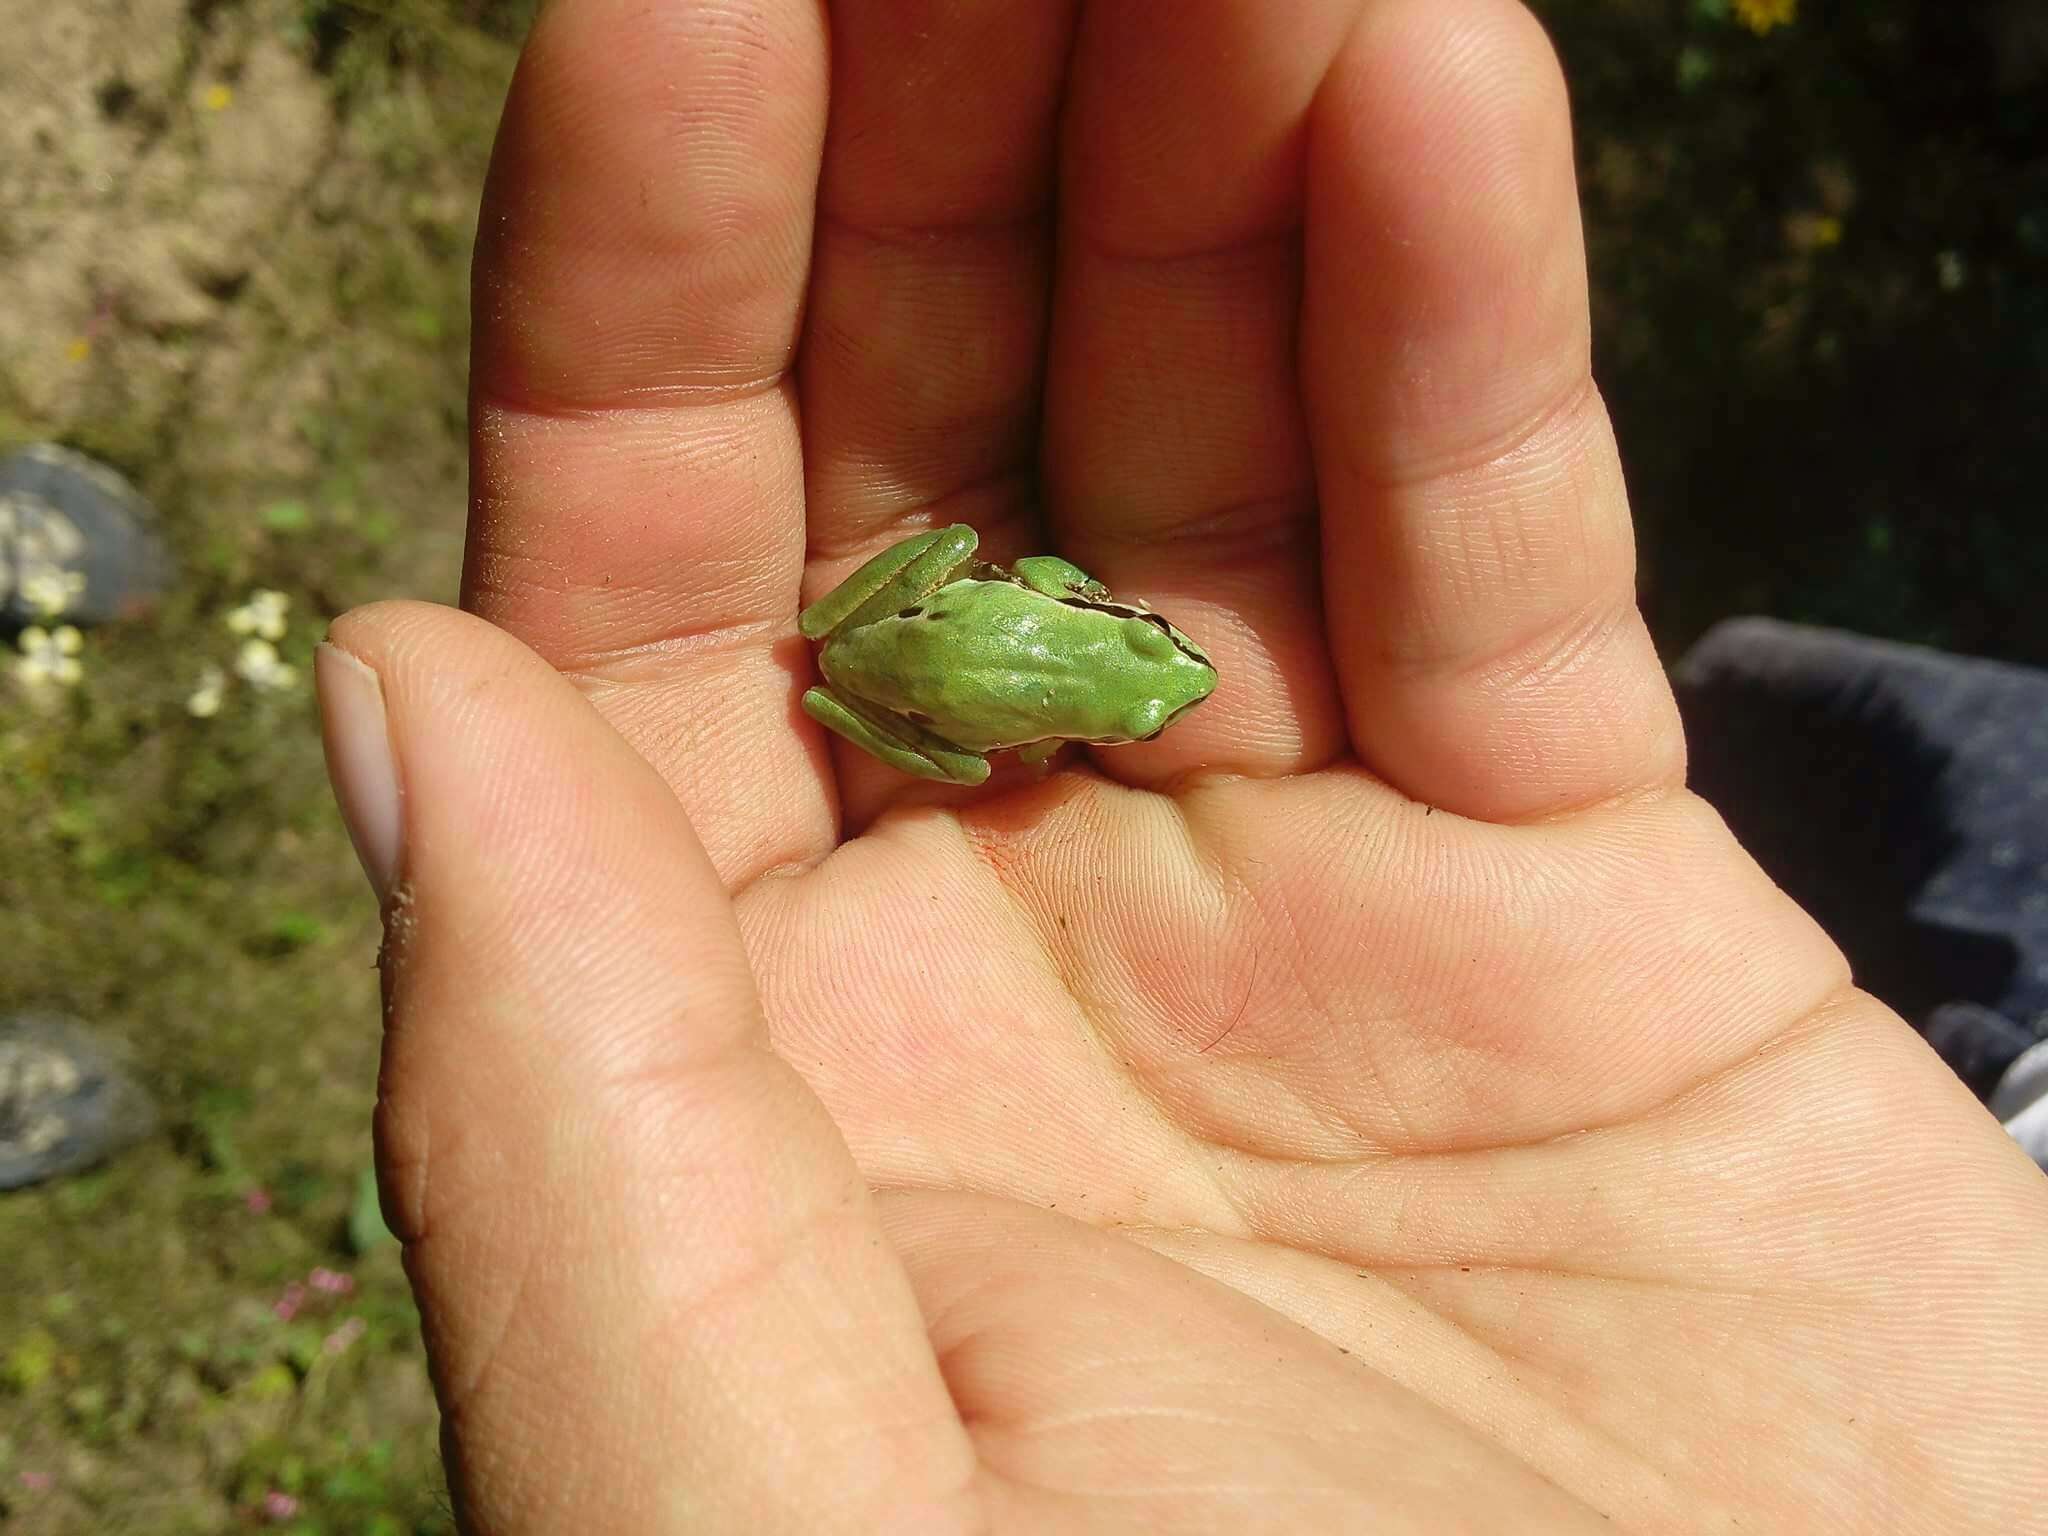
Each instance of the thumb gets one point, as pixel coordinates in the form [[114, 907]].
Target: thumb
[[655, 1292]]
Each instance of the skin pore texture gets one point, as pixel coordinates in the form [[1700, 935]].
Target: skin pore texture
[[1387, 1101]]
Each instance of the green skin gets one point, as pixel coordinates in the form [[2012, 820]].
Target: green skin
[[933, 660]]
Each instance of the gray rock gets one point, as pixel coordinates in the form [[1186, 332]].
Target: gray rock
[[78, 544], [65, 1101]]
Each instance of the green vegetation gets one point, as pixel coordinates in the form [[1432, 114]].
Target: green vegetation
[[1820, 263], [250, 294], [234, 236]]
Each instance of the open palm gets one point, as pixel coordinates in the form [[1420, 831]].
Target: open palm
[[1387, 1101]]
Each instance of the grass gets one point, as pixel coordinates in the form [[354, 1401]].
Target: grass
[[183, 882]]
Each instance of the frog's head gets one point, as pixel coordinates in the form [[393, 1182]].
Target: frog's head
[[1177, 675]]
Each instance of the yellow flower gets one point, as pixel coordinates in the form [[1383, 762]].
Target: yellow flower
[[1761, 16], [218, 98], [1813, 231]]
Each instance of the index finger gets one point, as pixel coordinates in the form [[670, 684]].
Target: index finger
[[637, 478]]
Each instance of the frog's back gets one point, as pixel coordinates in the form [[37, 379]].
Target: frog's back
[[990, 665]]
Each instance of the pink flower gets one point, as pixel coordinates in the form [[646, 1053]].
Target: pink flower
[[279, 1506], [343, 1336], [258, 1201], [38, 1482], [287, 1306], [331, 1282]]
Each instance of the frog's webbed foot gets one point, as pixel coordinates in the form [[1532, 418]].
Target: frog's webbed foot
[[899, 743]]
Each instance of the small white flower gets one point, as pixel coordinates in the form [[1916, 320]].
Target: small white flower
[[50, 655], [259, 665], [49, 589], [204, 702], [1951, 271], [263, 614]]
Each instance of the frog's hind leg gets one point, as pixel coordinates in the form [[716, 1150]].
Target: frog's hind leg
[[901, 576], [896, 742]]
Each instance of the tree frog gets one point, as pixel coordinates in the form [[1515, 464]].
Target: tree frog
[[933, 660]]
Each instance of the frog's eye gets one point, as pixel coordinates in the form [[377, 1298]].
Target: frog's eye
[[1147, 640]]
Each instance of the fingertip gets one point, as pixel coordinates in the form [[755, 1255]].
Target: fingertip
[[398, 639], [356, 734], [1443, 225], [369, 674]]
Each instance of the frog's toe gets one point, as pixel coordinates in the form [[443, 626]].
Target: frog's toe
[[957, 768]]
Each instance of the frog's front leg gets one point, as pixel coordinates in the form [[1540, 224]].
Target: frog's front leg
[[1039, 754], [901, 576], [895, 741], [1059, 578]]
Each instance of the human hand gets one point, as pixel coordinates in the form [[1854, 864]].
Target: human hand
[[1387, 1101]]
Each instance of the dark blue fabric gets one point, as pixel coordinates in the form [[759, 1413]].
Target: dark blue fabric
[[1901, 796]]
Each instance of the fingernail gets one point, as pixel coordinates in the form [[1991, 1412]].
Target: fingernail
[[359, 762]]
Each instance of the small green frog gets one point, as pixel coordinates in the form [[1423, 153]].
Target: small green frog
[[933, 659]]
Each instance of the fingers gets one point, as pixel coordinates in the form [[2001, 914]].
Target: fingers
[[637, 505], [926, 328], [656, 1293], [1479, 563], [924, 339], [1177, 460]]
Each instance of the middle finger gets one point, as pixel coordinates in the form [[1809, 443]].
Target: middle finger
[[924, 337], [1176, 450]]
